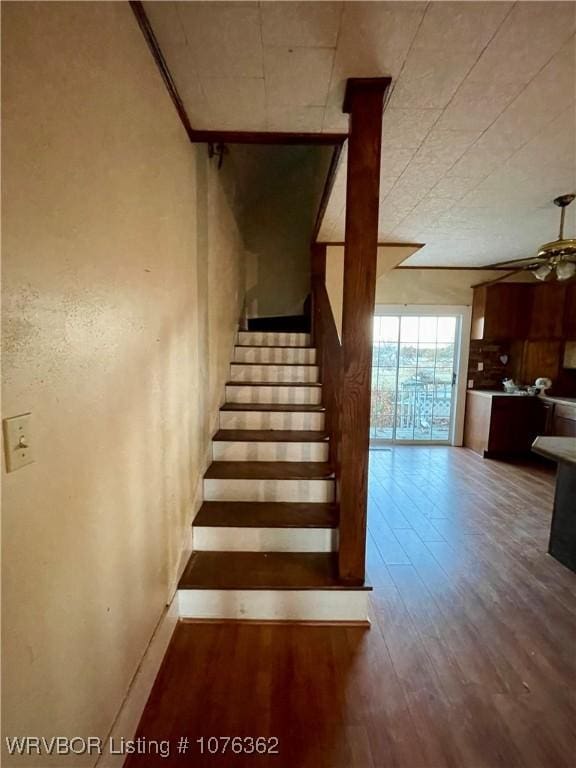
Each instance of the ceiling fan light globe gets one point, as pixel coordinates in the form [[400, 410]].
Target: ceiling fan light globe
[[542, 272], [565, 270]]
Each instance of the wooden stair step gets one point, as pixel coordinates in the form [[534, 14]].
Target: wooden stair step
[[238, 383], [263, 570], [271, 436], [262, 514], [285, 407], [269, 470]]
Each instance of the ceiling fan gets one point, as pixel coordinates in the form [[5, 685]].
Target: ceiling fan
[[557, 257]]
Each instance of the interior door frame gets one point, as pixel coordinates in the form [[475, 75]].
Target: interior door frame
[[461, 355]]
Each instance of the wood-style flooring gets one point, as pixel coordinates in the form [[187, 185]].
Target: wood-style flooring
[[470, 661]]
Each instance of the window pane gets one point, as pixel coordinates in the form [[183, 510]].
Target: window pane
[[427, 328], [446, 328], [386, 328], [409, 329]]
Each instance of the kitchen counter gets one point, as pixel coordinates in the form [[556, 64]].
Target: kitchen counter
[[562, 545], [501, 393], [556, 448]]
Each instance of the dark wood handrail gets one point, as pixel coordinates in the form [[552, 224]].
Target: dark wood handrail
[[327, 342]]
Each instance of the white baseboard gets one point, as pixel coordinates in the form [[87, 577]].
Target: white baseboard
[[133, 705]]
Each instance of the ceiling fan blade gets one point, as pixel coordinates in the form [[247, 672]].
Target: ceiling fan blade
[[535, 261]]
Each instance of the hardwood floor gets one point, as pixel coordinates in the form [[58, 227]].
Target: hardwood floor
[[470, 661]]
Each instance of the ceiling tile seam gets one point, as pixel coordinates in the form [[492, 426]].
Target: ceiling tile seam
[[480, 53], [518, 149], [183, 28], [392, 86], [337, 42], [266, 102]]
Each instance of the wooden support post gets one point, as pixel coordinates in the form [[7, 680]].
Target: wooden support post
[[364, 102]]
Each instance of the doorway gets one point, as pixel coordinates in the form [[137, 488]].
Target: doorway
[[415, 374]]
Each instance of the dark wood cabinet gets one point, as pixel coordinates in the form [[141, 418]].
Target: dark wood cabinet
[[546, 307], [540, 358], [570, 311], [524, 311], [501, 311], [500, 425]]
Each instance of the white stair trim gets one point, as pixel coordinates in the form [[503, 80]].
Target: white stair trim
[[261, 393], [225, 450], [244, 539], [274, 372], [322, 605], [232, 489]]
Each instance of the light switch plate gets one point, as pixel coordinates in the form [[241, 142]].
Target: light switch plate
[[480, 366], [17, 441]]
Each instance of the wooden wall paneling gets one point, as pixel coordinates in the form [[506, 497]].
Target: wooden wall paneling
[[364, 103]]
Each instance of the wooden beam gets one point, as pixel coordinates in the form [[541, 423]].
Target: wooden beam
[[146, 28], [327, 191], [268, 137], [381, 243], [364, 101]]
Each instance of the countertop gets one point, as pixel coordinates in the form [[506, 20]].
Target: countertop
[[501, 393], [556, 448]]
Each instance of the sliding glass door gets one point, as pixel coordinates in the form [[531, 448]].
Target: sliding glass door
[[413, 377]]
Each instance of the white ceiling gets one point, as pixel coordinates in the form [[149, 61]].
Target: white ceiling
[[479, 131]]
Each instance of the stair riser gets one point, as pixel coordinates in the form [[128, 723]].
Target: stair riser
[[230, 489], [264, 394], [292, 355], [271, 420], [263, 339], [320, 605], [264, 373], [249, 451], [217, 538]]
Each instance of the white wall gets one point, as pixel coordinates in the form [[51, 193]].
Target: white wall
[[121, 292]]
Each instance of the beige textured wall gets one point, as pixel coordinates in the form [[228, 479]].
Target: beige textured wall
[[430, 286], [121, 280], [387, 258]]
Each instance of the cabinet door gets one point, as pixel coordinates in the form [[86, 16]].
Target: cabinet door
[[478, 313], [547, 315], [540, 359], [507, 311], [570, 311], [515, 424]]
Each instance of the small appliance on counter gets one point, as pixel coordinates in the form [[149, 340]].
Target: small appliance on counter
[[542, 384]]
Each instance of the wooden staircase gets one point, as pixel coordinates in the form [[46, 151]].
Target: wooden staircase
[[266, 537]]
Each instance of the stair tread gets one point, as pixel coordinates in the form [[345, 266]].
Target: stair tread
[[266, 514], [263, 570], [274, 346], [238, 383], [271, 436], [269, 470], [273, 407]]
